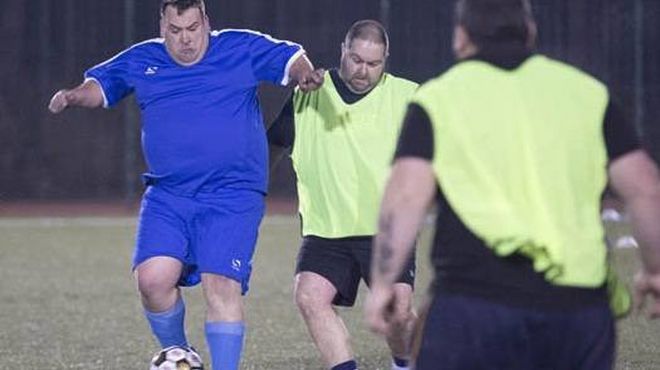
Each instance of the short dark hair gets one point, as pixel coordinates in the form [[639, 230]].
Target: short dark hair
[[182, 5], [368, 29], [495, 22]]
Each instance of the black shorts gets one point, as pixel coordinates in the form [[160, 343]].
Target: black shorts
[[344, 262]]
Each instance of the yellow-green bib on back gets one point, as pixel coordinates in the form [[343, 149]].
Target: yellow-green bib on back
[[520, 156], [342, 154]]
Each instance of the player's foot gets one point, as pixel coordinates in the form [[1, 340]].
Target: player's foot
[[196, 356], [177, 357], [400, 364]]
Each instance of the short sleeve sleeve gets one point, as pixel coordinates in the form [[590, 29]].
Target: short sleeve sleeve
[[416, 138], [113, 77], [620, 136], [272, 58]]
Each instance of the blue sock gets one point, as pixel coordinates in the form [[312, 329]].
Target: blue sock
[[348, 365], [168, 326], [225, 341]]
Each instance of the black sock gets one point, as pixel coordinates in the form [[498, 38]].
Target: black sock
[[348, 365], [400, 362]]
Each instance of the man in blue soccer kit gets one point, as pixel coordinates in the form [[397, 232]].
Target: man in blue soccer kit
[[205, 146]]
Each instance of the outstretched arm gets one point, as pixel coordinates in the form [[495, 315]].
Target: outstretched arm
[[635, 178], [303, 74], [408, 195], [87, 95]]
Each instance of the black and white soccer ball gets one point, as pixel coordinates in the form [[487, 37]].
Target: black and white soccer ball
[[177, 358]]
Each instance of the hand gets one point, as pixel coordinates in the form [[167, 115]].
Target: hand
[[312, 80], [647, 285], [59, 101], [378, 309]]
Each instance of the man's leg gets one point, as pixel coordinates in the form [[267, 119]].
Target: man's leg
[[224, 230], [224, 327], [157, 280], [403, 316], [313, 296]]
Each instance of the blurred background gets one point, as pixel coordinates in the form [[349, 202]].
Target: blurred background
[[95, 154]]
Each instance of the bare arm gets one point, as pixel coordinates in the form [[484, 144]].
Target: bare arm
[[635, 178], [303, 74], [87, 95], [408, 195]]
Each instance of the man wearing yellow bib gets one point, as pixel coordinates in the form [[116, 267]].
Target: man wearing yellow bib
[[345, 136], [517, 149]]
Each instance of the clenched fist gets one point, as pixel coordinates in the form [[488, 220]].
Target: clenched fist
[[59, 101]]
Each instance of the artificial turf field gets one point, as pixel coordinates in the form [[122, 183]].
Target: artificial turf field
[[67, 301]]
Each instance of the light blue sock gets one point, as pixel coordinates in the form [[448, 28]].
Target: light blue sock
[[168, 326], [225, 341]]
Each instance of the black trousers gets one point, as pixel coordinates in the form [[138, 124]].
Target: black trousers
[[464, 333]]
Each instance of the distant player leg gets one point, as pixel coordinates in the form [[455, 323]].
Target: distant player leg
[[404, 318], [224, 327], [163, 306], [314, 295]]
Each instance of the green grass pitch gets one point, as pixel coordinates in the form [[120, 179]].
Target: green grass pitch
[[67, 301]]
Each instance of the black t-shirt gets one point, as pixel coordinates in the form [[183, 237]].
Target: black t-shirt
[[464, 264]]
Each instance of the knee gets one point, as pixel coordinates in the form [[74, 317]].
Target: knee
[[309, 303], [153, 285], [157, 276]]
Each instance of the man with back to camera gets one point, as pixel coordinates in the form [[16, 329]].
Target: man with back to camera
[[517, 148], [205, 147], [343, 137]]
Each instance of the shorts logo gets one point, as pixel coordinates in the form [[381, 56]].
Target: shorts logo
[[236, 264]]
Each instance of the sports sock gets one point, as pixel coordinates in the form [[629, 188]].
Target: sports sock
[[348, 365], [168, 326], [225, 341], [400, 364]]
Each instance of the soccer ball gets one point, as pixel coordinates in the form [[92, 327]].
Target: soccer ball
[[177, 358]]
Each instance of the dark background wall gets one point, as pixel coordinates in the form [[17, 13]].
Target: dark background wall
[[46, 45]]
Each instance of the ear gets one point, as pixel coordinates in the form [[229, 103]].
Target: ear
[[532, 33], [162, 26], [460, 40]]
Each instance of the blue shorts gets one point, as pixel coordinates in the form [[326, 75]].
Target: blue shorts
[[214, 233]]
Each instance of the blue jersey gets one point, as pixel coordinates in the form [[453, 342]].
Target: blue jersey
[[202, 128]]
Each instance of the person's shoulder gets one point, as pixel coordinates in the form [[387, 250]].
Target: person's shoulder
[[148, 45], [145, 48], [401, 81], [562, 70], [561, 67], [243, 35], [436, 86]]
